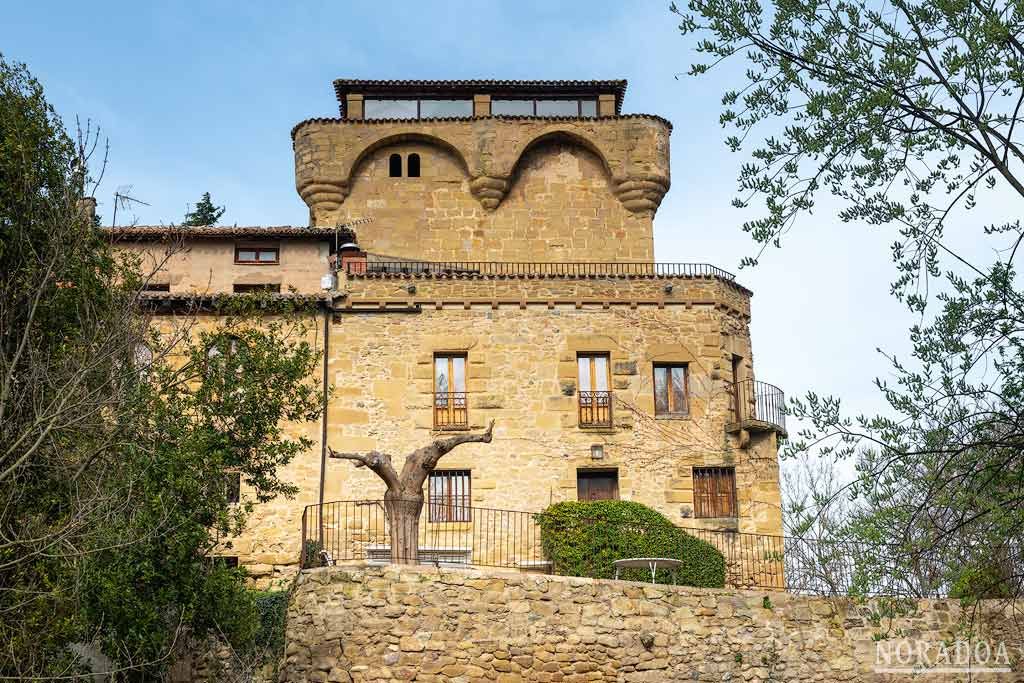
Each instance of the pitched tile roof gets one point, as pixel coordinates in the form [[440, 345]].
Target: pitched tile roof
[[343, 86], [159, 232], [199, 301]]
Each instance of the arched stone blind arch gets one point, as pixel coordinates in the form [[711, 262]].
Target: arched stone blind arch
[[413, 166], [395, 166]]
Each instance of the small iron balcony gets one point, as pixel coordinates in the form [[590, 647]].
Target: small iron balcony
[[595, 408], [757, 407]]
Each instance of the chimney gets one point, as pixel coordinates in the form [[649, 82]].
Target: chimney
[[87, 205], [351, 259]]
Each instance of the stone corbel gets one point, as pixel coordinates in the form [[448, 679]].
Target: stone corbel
[[322, 196], [640, 193], [489, 190]]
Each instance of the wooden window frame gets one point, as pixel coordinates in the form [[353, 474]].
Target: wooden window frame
[[600, 416], [455, 406], [707, 504], [736, 367], [671, 412], [593, 472], [258, 249], [450, 510]]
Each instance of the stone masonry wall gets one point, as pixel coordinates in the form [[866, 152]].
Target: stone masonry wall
[[521, 339], [490, 189], [208, 266], [356, 625]]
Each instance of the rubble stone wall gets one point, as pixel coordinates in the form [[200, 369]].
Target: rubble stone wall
[[359, 625]]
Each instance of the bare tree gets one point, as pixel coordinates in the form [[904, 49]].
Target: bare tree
[[403, 500]]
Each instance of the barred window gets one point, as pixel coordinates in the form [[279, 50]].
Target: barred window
[[449, 496], [714, 491]]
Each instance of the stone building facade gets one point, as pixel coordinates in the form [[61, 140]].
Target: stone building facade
[[483, 250]]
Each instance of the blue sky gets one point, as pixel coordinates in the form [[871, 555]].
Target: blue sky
[[201, 96]]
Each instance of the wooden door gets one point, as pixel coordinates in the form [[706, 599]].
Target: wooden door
[[597, 485]]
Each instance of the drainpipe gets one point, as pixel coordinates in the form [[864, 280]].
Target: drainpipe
[[323, 434]]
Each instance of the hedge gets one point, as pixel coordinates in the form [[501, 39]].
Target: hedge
[[584, 538]]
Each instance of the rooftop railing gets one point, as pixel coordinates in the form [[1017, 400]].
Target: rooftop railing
[[524, 269]]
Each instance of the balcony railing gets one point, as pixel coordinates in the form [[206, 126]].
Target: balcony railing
[[758, 405], [595, 408], [450, 410], [526, 269]]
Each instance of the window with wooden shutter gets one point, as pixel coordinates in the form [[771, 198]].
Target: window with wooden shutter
[[595, 397], [448, 496], [450, 392], [597, 484], [714, 492]]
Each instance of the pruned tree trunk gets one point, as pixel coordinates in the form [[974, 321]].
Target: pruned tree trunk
[[403, 500], [403, 515]]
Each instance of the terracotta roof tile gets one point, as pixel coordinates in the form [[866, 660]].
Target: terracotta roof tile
[[210, 301], [159, 232]]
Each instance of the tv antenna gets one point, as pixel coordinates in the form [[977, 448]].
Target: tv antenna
[[124, 200]]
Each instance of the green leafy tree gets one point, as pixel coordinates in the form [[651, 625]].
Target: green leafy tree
[[205, 212], [907, 113], [118, 442]]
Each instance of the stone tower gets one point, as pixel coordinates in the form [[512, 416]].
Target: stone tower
[[487, 170]]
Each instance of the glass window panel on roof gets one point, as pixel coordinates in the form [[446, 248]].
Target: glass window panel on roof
[[430, 109], [512, 107], [389, 109], [588, 107], [558, 107]]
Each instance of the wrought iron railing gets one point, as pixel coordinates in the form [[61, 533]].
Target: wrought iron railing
[[527, 269], [595, 408], [758, 403], [464, 536], [450, 411]]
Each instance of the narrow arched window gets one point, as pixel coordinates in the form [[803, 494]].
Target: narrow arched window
[[414, 166], [395, 166]]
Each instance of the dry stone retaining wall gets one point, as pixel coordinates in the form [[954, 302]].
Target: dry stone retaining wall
[[361, 624]]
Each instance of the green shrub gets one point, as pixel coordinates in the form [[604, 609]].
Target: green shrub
[[584, 538], [313, 548], [272, 607]]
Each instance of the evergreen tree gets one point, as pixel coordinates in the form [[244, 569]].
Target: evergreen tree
[[205, 213]]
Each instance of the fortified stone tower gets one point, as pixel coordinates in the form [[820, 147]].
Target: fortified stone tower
[[487, 170], [497, 263], [508, 273]]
